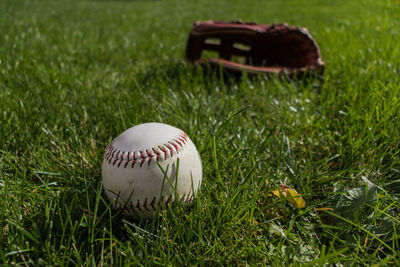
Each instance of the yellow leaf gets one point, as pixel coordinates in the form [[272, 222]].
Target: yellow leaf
[[291, 195], [295, 199], [276, 193]]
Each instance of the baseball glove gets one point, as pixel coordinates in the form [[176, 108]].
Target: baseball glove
[[254, 48]]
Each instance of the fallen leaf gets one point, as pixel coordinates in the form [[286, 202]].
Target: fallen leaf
[[353, 200], [291, 195]]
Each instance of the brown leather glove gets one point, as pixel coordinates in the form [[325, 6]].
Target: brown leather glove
[[255, 48]]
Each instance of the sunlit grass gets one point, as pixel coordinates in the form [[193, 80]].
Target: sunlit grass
[[75, 74]]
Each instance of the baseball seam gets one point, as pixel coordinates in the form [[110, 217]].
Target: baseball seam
[[116, 157], [148, 205]]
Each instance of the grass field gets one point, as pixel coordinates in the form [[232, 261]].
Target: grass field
[[75, 74]]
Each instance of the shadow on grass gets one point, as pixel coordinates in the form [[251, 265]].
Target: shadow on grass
[[180, 72]]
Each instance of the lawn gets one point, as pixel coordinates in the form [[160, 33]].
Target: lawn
[[75, 74]]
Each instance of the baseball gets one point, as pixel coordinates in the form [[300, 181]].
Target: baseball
[[148, 167]]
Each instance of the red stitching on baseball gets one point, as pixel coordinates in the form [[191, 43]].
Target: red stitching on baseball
[[176, 147], [179, 142], [141, 163], [122, 159], [157, 154], [163, 150], [143, 156], [138, 205], [150, 157], [171, 151], [113, 155], [133, 162], [145, 204], [152, 203]]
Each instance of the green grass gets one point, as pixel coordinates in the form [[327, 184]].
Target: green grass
[[75, 74]]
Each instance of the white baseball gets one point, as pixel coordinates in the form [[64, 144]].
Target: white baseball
[[140, 166]]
